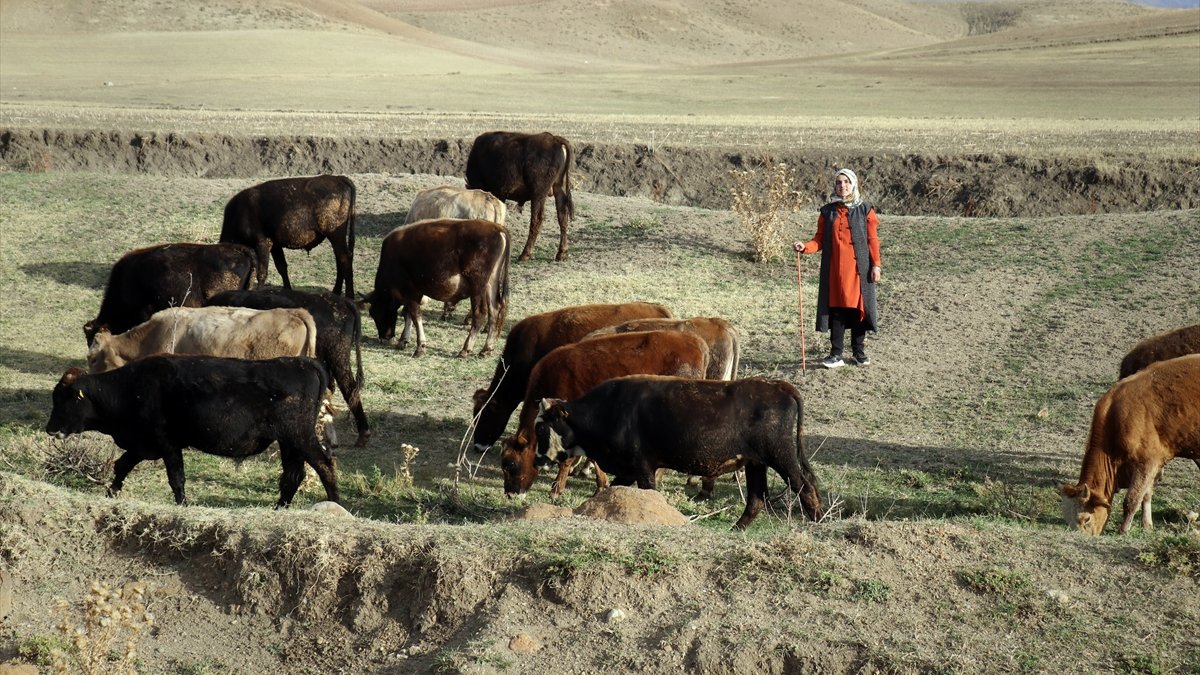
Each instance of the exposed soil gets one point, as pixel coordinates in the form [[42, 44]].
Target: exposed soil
[[902, 184]]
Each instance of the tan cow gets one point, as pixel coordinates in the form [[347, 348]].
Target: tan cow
[[723, 350], [1140, 424], [447, 201], [237, 332]]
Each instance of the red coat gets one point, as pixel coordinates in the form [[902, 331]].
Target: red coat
[[845, 289]]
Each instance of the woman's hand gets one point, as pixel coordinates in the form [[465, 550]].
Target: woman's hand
[[799, 246], [875, 274]]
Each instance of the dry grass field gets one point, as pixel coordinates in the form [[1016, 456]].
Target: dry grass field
[[943, 550]]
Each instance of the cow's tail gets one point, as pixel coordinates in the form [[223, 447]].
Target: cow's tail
[[569, 202], [737, 355], [500, 292], [310, 339], [350, 219]]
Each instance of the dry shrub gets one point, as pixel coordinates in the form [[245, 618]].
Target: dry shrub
[[104, 639], [762, 202], [74, 460]]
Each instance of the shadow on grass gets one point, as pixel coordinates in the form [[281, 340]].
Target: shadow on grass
[[377, 224], [37, 363], [82, 274]]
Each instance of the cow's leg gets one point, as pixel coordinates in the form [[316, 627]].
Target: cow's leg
[[322, 463], [564, 219], [707, 487], [344, 261], [173, 460], [293, 472], [281, 265], [346, 381], [402, 342], [537, 210], [756, 494], [560, 481], [476, 316], [800, 478], [121, 469], [601, 477], [412, 311], [1137, 498]]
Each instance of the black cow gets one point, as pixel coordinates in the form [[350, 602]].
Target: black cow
[[526, 168], [295, 213], [632, 426], [446, 260], [156, 406], [150, 279], [339, 332]]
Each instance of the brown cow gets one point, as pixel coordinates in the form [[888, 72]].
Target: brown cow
[[529, 340], [295, 213], [1140, 424], [447, 201], [235, 332], [446, 260], [723, 350], [570, 370], [148, 279], [526, 168], [1179, 342]]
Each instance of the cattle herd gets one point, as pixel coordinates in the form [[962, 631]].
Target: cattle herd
[[189, 349]]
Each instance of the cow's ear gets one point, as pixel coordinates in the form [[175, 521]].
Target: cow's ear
[[70, 376]]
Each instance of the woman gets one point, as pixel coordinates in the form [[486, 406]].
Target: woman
[[848, 240]]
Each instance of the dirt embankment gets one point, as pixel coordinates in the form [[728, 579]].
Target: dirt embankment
[[905, 184]]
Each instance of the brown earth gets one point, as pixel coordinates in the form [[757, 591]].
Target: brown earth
[[903, 184]]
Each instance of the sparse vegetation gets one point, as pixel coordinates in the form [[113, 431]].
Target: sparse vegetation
[[103, 633], [762, 200]]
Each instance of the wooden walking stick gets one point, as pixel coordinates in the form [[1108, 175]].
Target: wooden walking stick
[[800, 290]]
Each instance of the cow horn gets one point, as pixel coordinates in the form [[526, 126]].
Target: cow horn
[[79, 395]]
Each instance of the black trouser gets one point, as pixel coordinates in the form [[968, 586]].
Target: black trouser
[[841, 318]]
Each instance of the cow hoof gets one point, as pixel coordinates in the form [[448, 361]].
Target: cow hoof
[[560, 257], [420, 352], [523, 257], [362, 439], [486, 351], [463, 354]]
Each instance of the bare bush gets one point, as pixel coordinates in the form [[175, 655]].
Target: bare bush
[[761, 202], [984, 18], [105, 632], [74, 460]]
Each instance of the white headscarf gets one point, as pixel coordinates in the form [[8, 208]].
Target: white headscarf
[[855, 198]]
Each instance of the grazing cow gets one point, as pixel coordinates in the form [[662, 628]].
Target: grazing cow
[[339, 332], [723, 350], [529, 340], [632, 426], [447, 201], [168, 275], [1179, 342], [295, 213], [526, 168], [155, 407], [570, 370], [235, 332], [446, 260], [1141, 423]]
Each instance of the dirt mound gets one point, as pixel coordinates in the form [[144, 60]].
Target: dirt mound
[[905, 184]]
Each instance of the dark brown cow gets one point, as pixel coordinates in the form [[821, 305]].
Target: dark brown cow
[[570, 370], [1141, 423], [529, 340], [723, 350], [1179, 342], [339, 334], [526, 168], [446, 260], [295, 213], [633, 426], [150, 279]]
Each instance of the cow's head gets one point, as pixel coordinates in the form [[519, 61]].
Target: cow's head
[[1084, 509], [488, 425], [556, 438], [101, 356], [517, 464], [90, 329], [72, 407], [383, 310]]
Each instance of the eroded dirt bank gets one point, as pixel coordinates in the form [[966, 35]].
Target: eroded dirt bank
[[906, 184]]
